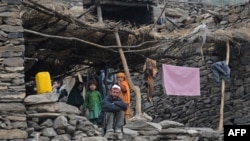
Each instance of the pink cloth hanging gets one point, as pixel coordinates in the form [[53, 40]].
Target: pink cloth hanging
[[181, 81]]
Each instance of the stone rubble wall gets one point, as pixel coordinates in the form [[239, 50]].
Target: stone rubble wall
[[49, 120], [204, 111], [168, 131], [56, 121], [13, 120]]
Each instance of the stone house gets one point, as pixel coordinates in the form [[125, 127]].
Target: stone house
[[192, 111], [133, 11]]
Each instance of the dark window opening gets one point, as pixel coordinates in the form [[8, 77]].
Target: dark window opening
[[132, 15]]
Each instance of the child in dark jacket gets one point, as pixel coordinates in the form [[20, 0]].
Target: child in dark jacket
[[59, 89]]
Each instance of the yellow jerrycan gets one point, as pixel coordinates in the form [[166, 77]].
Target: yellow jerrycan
[[43, 82]]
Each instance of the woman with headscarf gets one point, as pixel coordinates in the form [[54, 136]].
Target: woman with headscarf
[[75, 98], [125, 92]]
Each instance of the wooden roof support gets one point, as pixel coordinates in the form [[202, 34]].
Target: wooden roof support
[[135, 88], [223, 91], [99, 13]]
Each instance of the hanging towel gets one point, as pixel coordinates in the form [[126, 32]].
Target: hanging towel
[[181, 81]]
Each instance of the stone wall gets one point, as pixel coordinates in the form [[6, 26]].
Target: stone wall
[[49, 120], [19, 121], [204, 111], [168, 131], [12, 88]]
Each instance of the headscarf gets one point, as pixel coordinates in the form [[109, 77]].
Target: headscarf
[[121, 74], [126, 95], [77, 84]]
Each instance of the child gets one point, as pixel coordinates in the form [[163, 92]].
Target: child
[[93, 101], [125, 92], [59, 88]]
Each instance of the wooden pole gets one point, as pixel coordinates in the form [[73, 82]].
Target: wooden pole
[[99, 13], [223, 91], [136, 89], [79, 77]]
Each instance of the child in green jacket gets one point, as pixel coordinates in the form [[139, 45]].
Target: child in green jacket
[[93, 101]]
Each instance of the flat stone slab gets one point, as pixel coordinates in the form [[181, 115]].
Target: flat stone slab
[[11, 96], [141, 125], [94, 139], [58, 107], [44, 115], [41, 98], [12, 107], [17, 118], [13, 134], [10, 28], [170, 124]]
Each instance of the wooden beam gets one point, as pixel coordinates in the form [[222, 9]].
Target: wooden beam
[[68, 38], [92, 43]]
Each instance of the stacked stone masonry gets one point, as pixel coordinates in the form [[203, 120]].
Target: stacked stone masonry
[[13, 119], [204, 111], [47, 120]]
